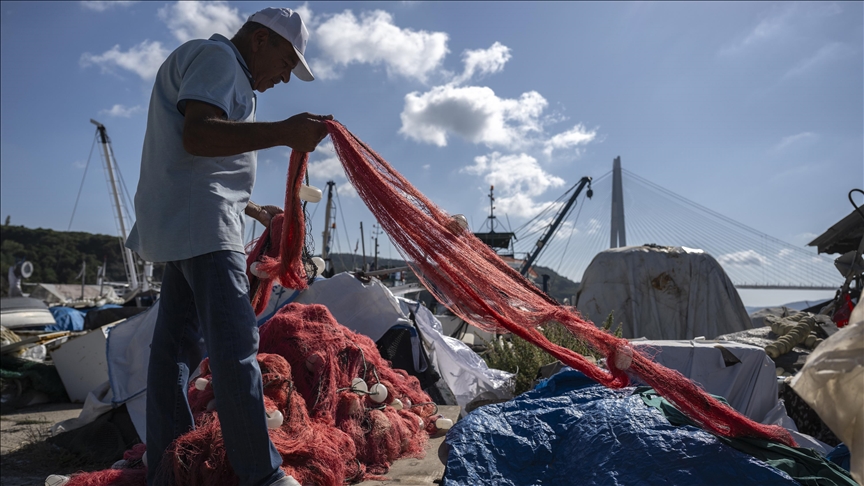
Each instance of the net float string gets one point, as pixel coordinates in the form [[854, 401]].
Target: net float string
[[474, 283]]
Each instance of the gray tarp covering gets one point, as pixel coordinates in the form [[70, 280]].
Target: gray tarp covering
[[661, 293]]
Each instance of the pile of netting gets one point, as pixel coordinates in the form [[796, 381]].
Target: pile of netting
[[336, 410]]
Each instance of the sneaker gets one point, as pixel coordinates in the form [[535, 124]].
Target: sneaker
[[58, 480], [286, 481]]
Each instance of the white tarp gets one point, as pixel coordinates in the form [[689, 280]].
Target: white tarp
[[661, 293], [742, 374], [367, 308]]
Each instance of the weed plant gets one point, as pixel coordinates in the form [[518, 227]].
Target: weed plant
[[515, 355]]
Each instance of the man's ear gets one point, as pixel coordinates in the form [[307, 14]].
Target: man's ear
[[259, 38]]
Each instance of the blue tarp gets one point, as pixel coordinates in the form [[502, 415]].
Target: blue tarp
[[570, 430], [68, 319]]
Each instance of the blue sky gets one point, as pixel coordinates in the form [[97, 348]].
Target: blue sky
[[753, 110]]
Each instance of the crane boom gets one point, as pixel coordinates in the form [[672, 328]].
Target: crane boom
[[541, 244], [128, 259]]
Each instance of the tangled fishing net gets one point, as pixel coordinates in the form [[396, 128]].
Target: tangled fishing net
[[333, 432], [337, 411]]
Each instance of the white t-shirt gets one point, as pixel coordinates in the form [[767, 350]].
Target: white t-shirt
[[185, 205]]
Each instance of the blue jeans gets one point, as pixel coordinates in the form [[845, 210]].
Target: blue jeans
[[208, 297]]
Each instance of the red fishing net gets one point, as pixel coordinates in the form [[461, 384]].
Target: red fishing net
[[470, 279], [328, 426]]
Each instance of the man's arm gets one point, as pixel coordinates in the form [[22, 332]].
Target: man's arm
[[207, 133]]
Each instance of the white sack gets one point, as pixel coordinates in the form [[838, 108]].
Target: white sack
[[832, 383]]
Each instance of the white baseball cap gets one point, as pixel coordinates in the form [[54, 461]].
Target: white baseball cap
[[289, 25]]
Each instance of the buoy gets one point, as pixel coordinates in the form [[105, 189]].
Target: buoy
[[310, 193], [396, 404], [121, 464], [443, 423], [320, 265], [457, 224], [378, 393], [274, 419], [144, 459], [211, 405], [359, 386], [201, 384], [624, 357], [407, 403], [314, 362], [253, 269]]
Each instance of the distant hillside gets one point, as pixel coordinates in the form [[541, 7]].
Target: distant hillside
[[559, 287], [57, 255]]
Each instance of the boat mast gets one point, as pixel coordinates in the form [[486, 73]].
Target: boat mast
[[128, 259], [325, 250]]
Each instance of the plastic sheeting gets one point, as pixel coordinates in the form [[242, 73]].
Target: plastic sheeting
[[571, 430], [661, 293], [744, 375], [832, 382], [66, 319]]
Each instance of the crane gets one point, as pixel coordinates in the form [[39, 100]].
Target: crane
[[114, 189], [541, 244]]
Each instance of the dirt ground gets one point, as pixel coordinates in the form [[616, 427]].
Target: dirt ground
[[26, 459]]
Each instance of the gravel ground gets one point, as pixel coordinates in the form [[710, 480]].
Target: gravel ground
[[25, 458]]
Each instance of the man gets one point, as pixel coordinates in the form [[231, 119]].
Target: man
[[197, 172]]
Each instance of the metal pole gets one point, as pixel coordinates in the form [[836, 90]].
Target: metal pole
[[363, 244], [83, 276], [325, 250]]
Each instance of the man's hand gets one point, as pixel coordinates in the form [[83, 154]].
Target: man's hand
[[262, 214], [305, 131]]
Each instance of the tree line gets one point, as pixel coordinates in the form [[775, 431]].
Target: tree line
[[58, 256]]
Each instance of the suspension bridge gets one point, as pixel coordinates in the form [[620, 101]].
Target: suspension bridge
[[655, 215]]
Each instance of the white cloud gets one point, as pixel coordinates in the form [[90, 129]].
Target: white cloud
[[483, 62], [374, 39], [744, 257], [574, 137], [766, 29], [101, 6], [784, 252], [474, 113], [517, 179], [200, 20], [325, 169], [346, 189], [797, 139], [826, 53], [121, 111], [330, 168], [79, 164], [306, 14], [143, 59]]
